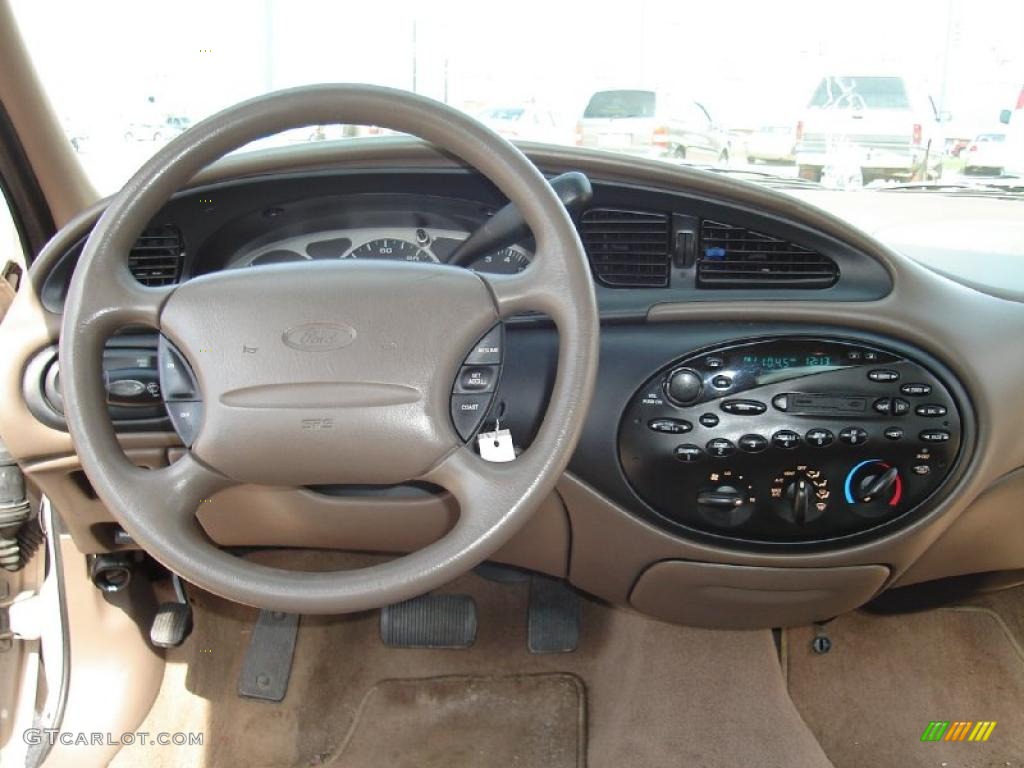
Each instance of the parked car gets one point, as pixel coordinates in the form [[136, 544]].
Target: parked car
[[986, 154], [1013, 119], [772, 143], [527, 122], [160, 131], [652, 123], [880, 123]]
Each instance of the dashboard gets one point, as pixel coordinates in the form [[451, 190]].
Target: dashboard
[[780, 395]]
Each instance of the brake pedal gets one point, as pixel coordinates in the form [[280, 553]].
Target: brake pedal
[[553, 624], [430, 621], [267, 667], [173, 621]]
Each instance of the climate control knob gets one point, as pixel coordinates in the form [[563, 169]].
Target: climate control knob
[[727, 500], [684, 386], [800, 495], [873, 487]]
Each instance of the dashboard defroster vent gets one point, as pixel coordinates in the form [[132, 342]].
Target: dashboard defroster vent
[[157, 256], [627, 249], [737, 257]]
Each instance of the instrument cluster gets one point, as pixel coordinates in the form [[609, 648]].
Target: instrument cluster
[[423, 244]]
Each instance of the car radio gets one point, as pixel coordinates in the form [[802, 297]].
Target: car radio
[[789, 439]]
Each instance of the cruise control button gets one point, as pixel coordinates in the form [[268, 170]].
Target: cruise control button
[[930, 410], [670, 426], [819, 437], [186, 418], [900, 407], [488, 350], [753, 443], [467, 413], [688, 453], [786, 438], [883, 374], [883, 405], [894, 433], [853, 436], [709, 419], [934, 436], [721, 447], [477, 378], [744, 407], [916, 390]]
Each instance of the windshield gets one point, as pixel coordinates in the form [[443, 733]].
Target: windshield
[[880, 93]]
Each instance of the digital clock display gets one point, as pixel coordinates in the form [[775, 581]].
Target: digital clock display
[[768, 369]]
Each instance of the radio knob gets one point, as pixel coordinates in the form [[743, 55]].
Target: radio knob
[[684, 386]]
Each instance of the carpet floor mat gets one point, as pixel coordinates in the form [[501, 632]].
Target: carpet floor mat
[[530, 721], [871, 698]]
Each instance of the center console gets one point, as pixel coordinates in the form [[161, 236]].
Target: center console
[[789, 440]]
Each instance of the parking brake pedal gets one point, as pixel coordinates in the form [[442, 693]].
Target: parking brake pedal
[[173, 620], [267, 667], [554, 616], [430, 621]]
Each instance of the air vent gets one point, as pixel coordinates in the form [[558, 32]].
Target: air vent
[[627, 248], [157, 257], [737, 257]]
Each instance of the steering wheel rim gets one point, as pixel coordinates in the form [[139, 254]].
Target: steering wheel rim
[[158, 507]]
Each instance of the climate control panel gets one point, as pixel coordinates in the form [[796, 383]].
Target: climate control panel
[[792, 439]]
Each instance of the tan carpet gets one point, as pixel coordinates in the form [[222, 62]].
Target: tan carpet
[[870, 699], [656, 694], [532, 721]]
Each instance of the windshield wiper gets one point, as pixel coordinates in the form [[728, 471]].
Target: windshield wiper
[[761, 177], [1012, 190]]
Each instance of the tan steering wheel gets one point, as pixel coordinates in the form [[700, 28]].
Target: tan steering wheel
[[385, 392]]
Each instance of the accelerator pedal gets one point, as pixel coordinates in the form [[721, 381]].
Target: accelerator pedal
[[268, 660], [553, 625], [430, 621]]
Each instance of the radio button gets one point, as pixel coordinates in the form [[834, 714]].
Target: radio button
[[921, 469], [931, 410], [709, 419], [900, 407], [894, 433], [688, 453], [721, 382], [883, 375], [853, 436], [721, 447], [684, 386], [934, 436], [916, 390], [819, 437], [781, 402], [670, 426], [753, 443], [786, 438], [883, 405], [714, 363], [744, 407]]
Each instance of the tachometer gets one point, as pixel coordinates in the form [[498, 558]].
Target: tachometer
[[507, 261], [391, 249]]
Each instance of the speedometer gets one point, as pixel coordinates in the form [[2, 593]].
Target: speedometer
[[391, 249]]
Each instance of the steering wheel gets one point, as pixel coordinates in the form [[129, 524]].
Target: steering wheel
[[377, 390]]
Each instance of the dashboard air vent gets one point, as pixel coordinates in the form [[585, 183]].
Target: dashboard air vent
[[737, 257], [157, 256], [627, 248]]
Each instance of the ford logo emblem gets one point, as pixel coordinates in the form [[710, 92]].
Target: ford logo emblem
[[319, 337]]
